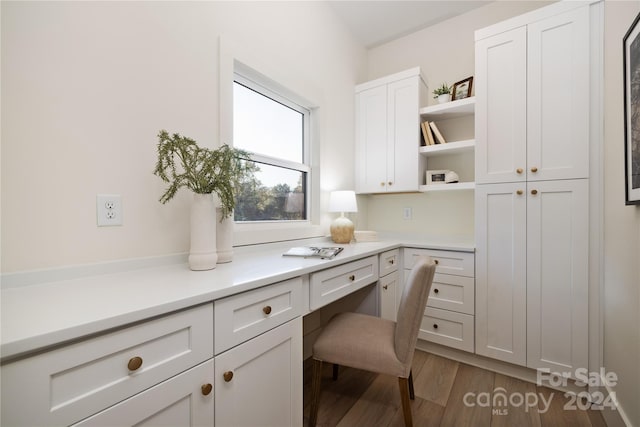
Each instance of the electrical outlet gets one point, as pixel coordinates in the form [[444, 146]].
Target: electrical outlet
[[109, 209], [406, 213]]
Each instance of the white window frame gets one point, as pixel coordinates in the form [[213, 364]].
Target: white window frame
[[232, 60]]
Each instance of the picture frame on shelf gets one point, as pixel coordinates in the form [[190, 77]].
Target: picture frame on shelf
[[436, 177], [462, 89], [631, 67]]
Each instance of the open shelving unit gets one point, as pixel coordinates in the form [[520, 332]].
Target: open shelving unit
[[448, 111]]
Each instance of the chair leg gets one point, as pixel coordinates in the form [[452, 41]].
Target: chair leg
[[412, 394], [316, 381], [335, 371], [406, 405]]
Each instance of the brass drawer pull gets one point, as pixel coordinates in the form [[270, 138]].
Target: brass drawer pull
[[392, 261], [519, 192], [385, 287], [352, 278], [206, 389], [228, 376], [534, 169], [519, 171], [390, 183], [435, 326], [534, 192], [267, 310], [436, 262], [134, 363], [435, 291]]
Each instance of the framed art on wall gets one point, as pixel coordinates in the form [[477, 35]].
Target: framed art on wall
[[631, 65], [462, 89]]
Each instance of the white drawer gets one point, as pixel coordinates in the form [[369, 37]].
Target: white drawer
[[65, 385], [448, 262], [241, 317], [448, 328], [333, 283], [455, 293], [389, 262]]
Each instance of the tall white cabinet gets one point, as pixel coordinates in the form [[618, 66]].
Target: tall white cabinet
[[532, 189], [388, 133]]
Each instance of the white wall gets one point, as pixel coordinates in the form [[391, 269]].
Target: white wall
[[621, 226], [86, 86]]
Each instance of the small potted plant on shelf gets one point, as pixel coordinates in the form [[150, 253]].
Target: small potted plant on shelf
[[442, 94], [182, 163]]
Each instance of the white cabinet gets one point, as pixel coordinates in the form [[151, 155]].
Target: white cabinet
[[455, 121], [449, 315], [532, 90], [259, 382], [389, 285], [70, 383], [532, 192], [388, 133]]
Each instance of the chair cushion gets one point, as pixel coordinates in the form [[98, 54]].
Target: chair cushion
[[362, 342]]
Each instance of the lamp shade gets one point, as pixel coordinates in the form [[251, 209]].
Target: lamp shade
[[343, 201]]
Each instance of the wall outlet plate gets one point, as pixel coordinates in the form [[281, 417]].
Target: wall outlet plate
[[109, 210]]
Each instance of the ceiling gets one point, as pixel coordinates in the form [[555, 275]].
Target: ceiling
[[376, 22]]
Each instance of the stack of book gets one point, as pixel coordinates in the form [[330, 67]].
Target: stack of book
[[432, 134]]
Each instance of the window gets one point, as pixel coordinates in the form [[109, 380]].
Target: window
[[276, 131]]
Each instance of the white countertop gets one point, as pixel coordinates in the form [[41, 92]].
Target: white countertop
[[37, 316]]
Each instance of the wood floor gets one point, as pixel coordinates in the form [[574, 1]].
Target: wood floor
[[360, 398]]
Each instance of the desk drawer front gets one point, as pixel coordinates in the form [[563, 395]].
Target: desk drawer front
[[331, 284], [389, 262], [448, 262], [239, 318], [68, 384], [451, 292], [447, 328]]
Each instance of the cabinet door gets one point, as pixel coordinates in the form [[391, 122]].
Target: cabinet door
[[558, 97], [259, 382], [404, 135], [501, 262], [557, 275], [371, 140], [501, 107], [184, 400], [389, 296]]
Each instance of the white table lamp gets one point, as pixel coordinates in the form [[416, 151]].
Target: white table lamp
[[342, 227]]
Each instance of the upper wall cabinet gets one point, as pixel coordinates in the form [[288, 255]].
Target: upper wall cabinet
[[388, 133], [532, 112]]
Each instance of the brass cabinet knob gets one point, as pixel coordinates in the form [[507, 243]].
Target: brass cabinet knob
[[382, 184], [385, 287], [436, 290], [134, 363], [519, 171], [390, 183], [519, 192], [534, 192], [206, 389], [228, 376], [534, 169], [352, 278], [392, 261], [267, 310], [436, 262], [435, 326]]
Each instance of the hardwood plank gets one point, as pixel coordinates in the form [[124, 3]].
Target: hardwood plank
[[518, 409], [474, 380], [557, 414], [377, 406], [425, 414], [435, 380]]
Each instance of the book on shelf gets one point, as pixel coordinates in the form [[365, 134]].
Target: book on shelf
[[427, 134], [436, 133], [314, 252]]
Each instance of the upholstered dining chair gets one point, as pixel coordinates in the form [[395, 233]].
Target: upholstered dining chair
[[374, 344]]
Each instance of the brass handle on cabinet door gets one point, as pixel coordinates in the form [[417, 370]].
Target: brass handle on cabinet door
[[382, 184], [267, 310], [206, 389], [519, 192], [534, 192], [436, 262], [534, 169], [435, 291], [392, 261], [385, 287], [519, 171], [390, 183], [228, 376], [352, 278], [134, 363], [435, 326]]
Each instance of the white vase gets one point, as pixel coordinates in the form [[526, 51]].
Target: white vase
[[444, 98], [203, 254], [224, 237]]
